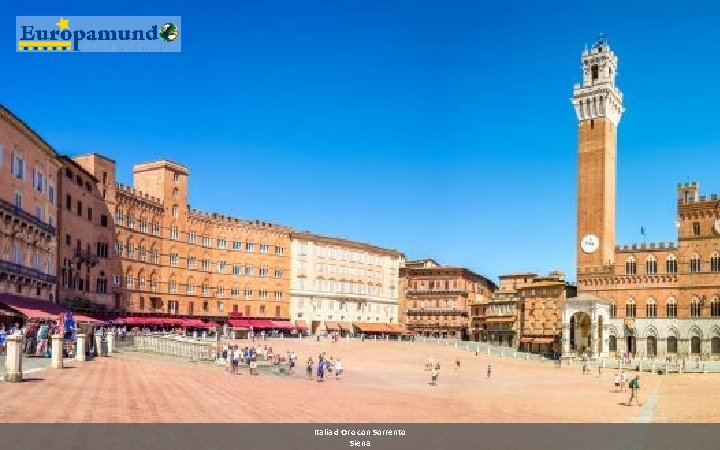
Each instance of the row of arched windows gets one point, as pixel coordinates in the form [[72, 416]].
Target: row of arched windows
[[671, 264], [671, 308]]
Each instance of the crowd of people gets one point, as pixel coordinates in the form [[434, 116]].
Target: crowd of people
[[323, 368], [36, 337]]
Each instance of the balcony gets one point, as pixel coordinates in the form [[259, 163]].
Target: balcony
[[462, 293], [18, 271], [84, 256], [19, 213], [437, 311]]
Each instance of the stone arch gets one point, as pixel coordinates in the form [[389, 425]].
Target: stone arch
[[695, 331], [673, 332], [715, 332], [651, 331]]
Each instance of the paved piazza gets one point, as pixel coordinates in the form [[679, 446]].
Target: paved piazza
[[383, 383]]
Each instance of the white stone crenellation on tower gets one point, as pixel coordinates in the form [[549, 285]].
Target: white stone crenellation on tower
[[598, 96]]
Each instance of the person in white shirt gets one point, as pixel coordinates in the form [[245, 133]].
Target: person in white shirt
[[338, 369], [617, 382]]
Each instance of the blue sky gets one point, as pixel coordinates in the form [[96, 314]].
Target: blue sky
[[439, 128]]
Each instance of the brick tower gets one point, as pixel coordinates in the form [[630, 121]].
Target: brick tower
[[598, 104]]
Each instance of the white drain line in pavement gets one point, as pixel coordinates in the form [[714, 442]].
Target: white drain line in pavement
[[648, 409]]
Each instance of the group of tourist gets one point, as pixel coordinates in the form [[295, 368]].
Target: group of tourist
[[324, 365], [433, 367], [233, 356], [620, 380], [35, 337]]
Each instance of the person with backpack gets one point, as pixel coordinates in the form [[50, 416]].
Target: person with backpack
[[634, 388], [309, 368]]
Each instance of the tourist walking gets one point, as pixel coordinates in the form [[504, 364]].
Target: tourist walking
[[634, 388], [3, 337], [292, 363], [338, 369], [236, 360], [617, 382], [457, 364], [623, 380], [489, 371], [321, 370], [309, 368], [228, 360], [434, 373]]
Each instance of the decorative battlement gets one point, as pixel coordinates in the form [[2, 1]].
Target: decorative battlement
[[688, 192], [648, 247], [229, 220], [139, 195]]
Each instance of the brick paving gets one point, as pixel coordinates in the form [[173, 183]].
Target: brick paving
[[383, 383]]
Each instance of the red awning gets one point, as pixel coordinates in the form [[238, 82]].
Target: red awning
[[240, 323], [282, 324], [300, 325], [195, 323], [32, 308], [151, 320], [262, 324]]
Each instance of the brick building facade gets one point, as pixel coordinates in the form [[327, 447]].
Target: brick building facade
[[86, 235], [181, 261], [437, 300]]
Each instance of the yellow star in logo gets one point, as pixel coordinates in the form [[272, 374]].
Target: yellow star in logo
[[64, 24]]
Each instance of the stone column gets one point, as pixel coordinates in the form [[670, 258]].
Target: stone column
[[98, 345], [13, 360], [566, 339], [111, 342], [80, 352], [57, 351], [595, 339]]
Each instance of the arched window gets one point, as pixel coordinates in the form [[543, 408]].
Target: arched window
[[630, 308], [715, 307], [651, 265], [671, 307], [630, 266], [671, 264], [651, 308], [695, 263], [695, 307], [715, 262]]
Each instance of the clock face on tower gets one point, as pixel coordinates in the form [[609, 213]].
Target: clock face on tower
[[590, 243]]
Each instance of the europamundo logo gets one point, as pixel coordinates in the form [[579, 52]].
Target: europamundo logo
[[98, 34]]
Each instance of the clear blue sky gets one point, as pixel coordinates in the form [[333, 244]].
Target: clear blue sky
[[439, 128]]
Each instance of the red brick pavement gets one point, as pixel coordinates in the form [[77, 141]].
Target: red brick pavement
[[384, 383]]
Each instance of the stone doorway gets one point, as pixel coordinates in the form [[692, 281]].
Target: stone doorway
[[631, 344]]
